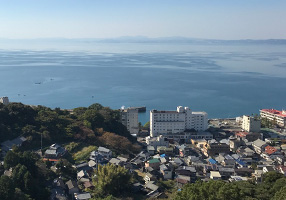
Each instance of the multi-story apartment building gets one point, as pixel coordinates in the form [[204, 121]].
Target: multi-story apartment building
[[129, 118], [4, 100], [274, 115], [250, 124], [169, 122]]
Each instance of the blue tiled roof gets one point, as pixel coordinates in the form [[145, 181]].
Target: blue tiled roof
[[212, 161], [240, 162]]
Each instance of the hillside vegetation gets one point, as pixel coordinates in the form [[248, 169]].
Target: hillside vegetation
[[95, 125]]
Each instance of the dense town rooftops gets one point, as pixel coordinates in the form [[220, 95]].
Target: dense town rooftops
[[275, 112]]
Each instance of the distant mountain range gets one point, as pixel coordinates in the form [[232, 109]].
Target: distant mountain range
[[143, 39]]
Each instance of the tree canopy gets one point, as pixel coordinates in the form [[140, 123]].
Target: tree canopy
[[111, 180]]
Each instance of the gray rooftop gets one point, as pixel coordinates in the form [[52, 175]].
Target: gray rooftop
[[103, 149], [259, 143], [83, 196]]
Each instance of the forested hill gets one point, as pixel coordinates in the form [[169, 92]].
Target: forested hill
[[95, 125]]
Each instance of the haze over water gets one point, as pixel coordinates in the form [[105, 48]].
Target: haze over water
[[223, 80]]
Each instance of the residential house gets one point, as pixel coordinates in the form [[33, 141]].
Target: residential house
[[228, 161], [268, 169], [151, 150], [154, 163], [8, 144], [281, 169], [92, 164], [259, 146], [208, 168], [279, 159], [237, 178], [72, 187], [244, 171], [157, 141], [105, 152], [212, 161], [215, 175], [249, 136], [83, 196], [187, 171], [151, 186], [177, 162], [245, 152], [234, 143], [226, 172], [258, 175], [137, 187], [81, 174], [182, 180], [166, 171], [192, 159], [165, 150], [88, 185], [55, 151], [83, 166], [214, 148], [200, 143], [183, 150], [240, 163], [269, 150], [115, 161]]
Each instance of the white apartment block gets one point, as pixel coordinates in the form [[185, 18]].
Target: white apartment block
[[169, 122], [251, 124], [4, 100], [129, 118], [272, 114]]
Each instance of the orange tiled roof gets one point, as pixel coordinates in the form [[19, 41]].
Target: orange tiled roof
[[270, 150], [241, 134]]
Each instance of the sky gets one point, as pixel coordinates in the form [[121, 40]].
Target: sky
[[208, 19]]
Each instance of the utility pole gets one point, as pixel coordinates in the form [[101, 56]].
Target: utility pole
[[41, 143]]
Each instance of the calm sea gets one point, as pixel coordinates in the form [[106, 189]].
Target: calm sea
[[223, 80]]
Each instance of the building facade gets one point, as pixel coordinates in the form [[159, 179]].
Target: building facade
[[4, 100], [129, 118], [157, 141], [169, 122], [250, 124], [274, 115]]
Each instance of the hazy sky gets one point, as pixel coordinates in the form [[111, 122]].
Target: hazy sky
[[212, 19]]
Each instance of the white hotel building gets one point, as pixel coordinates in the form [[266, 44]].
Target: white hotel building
[[169, 122], [277, 115]]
